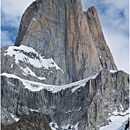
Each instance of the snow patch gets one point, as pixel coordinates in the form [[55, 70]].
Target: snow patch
[[53, 126], [68, 111], [114, 71], [117, 120], [33, 110], [76, 126], [14, 117], [11, 65], [69, 127], [34, 19], [28, 71], [20, 54]]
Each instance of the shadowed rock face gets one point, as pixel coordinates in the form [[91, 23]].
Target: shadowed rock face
[[59, 29], [31, 122]]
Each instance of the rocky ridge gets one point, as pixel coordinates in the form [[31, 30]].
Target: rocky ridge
[[88, 103]]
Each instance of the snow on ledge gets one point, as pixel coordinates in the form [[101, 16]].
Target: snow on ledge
[[113, 71], [35, 86]]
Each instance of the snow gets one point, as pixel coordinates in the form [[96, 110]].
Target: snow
[[123, 125], [66, 127], [117, 121], [34, 19], [71, 126], [14, 117], [68, 111], [28, 71], [33, 110], [11, 65], [53, 126], [35, 86], [114, 71], [41, 78], [78, 109], [76, 126], [82, 83], [38, 61]]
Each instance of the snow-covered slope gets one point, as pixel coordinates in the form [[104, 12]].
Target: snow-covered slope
[[33, 58], [118, 120], [26, 63]]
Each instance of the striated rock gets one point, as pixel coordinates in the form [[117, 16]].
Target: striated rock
[[59, 29], [85, 104], [26, 63], [104, 53]]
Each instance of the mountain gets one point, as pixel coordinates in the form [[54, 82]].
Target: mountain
[[60, 74], [59, 31]]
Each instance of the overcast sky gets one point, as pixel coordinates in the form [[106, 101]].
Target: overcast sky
[[113, 15]]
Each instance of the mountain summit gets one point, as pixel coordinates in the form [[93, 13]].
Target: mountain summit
[[59, 29], [62, 68]]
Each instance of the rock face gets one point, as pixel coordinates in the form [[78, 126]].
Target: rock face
[[85, 104], [59, 29], [60, 74]]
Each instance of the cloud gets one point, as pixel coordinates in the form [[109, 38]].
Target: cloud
[[114, 19], [12, 11], [119, 45], [6, 38]]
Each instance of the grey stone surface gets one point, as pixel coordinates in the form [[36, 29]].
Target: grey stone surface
[[89, 106]]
